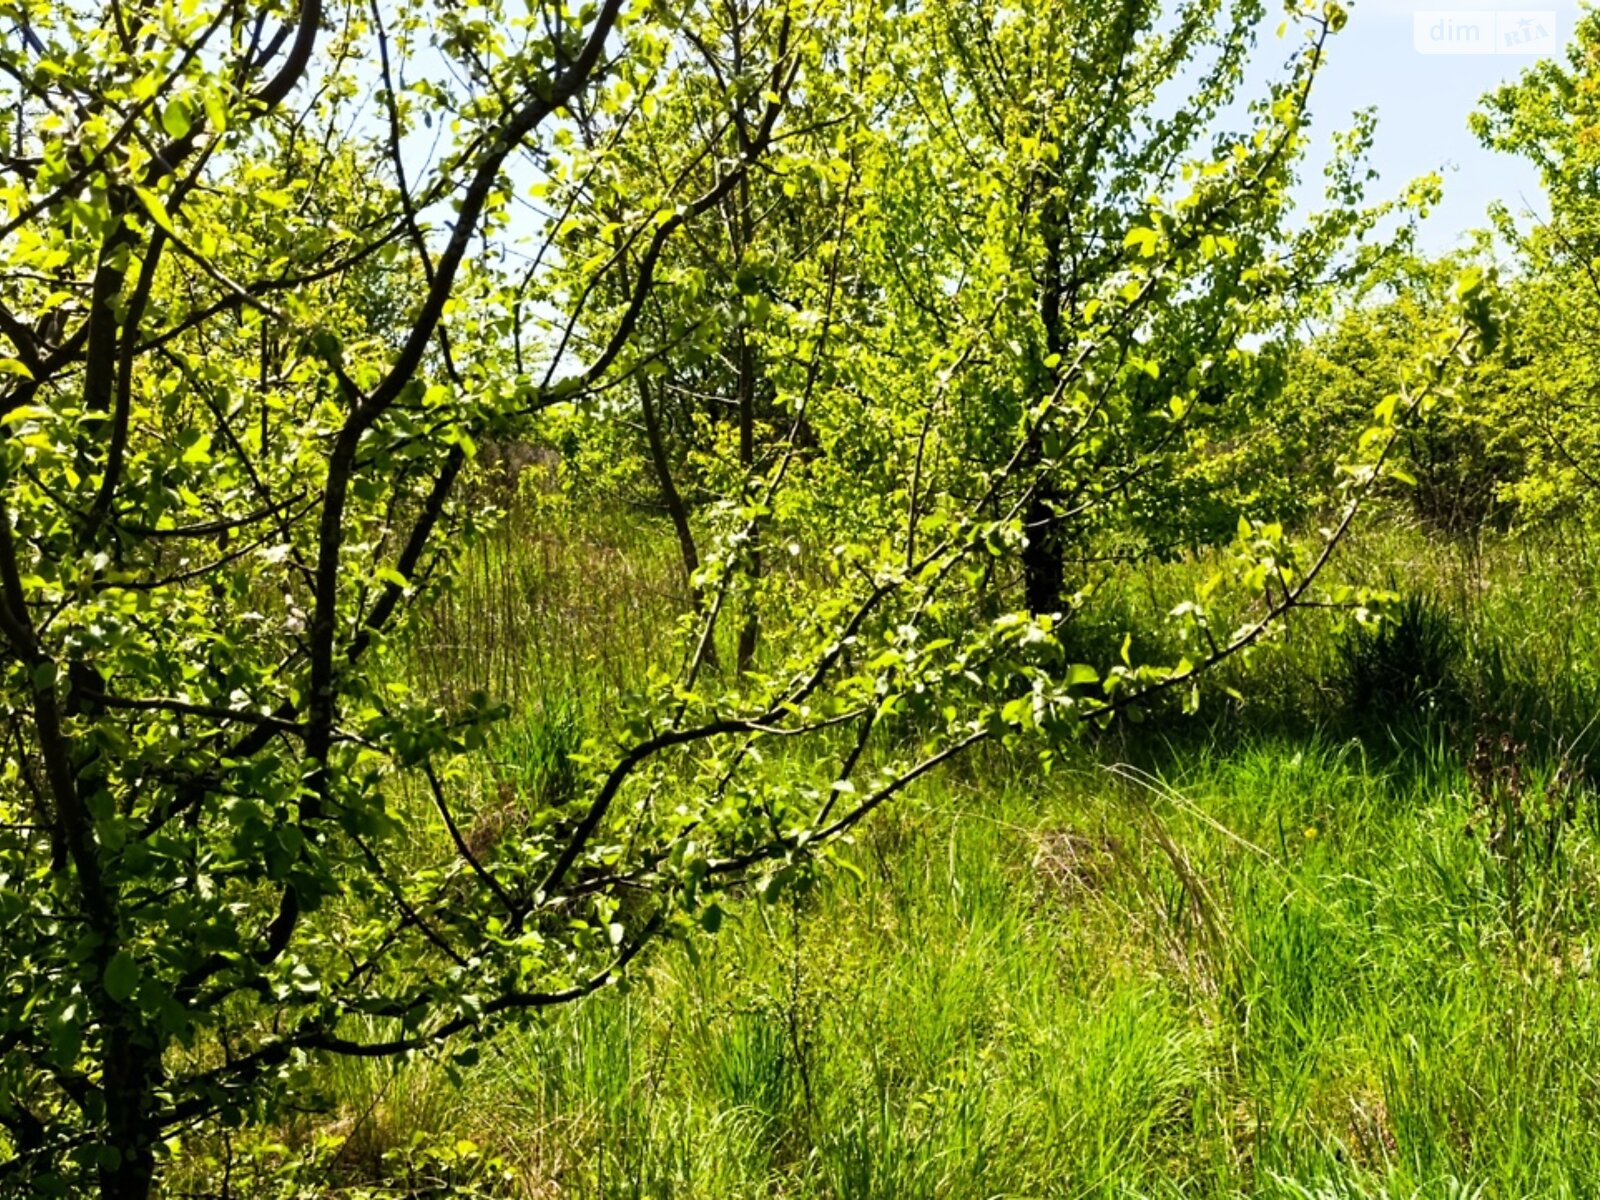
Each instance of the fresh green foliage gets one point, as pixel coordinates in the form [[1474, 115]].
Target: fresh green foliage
[[1192, 960], [357, 710], [1461, 467], [1548, 117], [259, 335]]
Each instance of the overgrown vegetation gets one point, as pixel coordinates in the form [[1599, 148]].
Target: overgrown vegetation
[[786, 600], [1285, 947]]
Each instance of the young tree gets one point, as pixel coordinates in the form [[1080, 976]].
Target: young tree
[[705, 394], [1047, 154], [256, 331], [236, 408], [1548, 117], [1458, 465]]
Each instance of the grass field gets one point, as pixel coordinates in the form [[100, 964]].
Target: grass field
[[1336, 942]]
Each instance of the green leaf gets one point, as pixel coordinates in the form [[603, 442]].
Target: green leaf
[[1143, 239], [175, 118], [216, 111], [199, 451], [157, 210], [66, 1036], [122, 976]]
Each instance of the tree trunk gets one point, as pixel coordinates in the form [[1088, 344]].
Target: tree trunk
[[673, 499], [750, 631], [1043, 557], [743, 230], [1043, 560], [130, 1075]]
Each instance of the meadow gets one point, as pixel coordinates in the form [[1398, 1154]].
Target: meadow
[[1335, 941]]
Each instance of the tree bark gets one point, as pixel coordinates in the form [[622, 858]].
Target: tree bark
[[673, 499], [750, 631], [1043, 556], [1043, 563], [131, 1072]]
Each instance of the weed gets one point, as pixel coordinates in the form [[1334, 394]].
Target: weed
[[1258, 959], [1405, 667]]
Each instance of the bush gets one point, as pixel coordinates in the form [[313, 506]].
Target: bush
[[1406, 662]]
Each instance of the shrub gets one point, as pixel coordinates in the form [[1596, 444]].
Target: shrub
[[1406, 662]]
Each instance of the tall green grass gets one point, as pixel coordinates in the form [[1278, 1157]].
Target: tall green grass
[[557, 604], [1286, 948], [1287, 970]]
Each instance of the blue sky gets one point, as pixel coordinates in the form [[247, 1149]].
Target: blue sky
[[1423, 101]]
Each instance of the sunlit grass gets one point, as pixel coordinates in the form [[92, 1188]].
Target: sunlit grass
[[1278, 949]]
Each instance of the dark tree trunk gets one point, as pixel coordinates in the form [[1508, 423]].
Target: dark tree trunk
[[1043, 557], [750, 631], [673, 499], [131, 1072]]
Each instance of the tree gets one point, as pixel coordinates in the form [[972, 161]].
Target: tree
[[256, 334], [232, 434], [1458, 467], [1548, 117], [1039, 160], [701, 388]]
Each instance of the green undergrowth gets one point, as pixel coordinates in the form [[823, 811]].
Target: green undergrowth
[[1331, 937], [1288, 969]]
